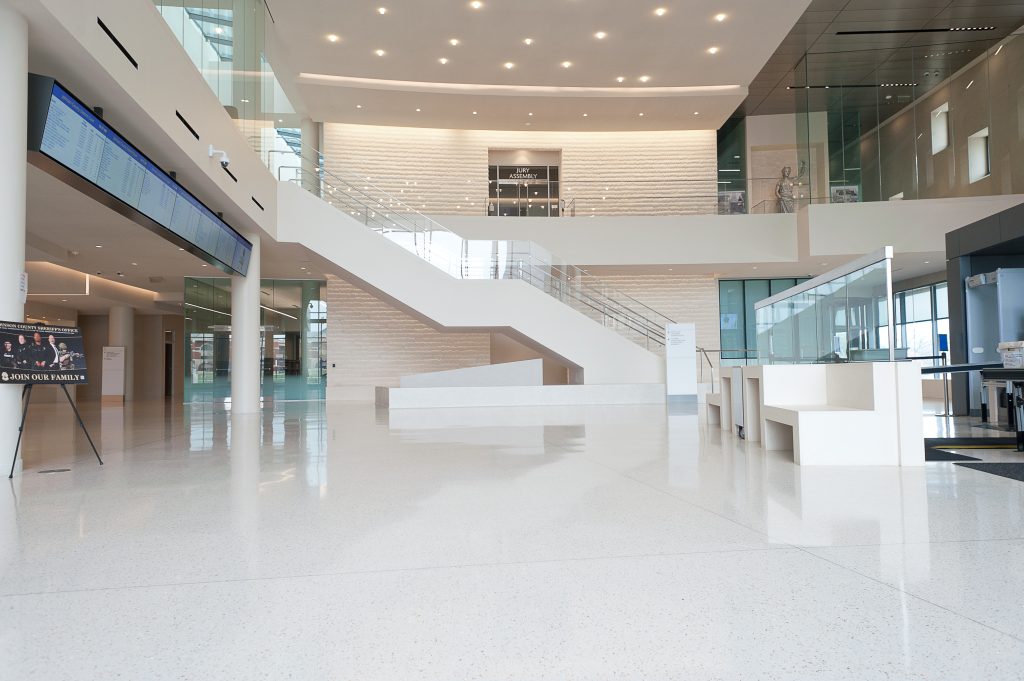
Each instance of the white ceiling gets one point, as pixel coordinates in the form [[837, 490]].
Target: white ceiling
[[672, 50]]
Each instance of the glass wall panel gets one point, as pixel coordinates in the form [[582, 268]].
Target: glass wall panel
[[293, 327], [844, 319], [935, 120]]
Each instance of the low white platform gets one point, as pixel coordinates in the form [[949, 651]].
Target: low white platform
[[521, 396], [526, 372]]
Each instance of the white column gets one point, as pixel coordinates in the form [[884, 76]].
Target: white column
[[13, 146], [310, 156], [121, 334], [246, 369]]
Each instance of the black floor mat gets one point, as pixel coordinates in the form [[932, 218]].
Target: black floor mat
[[1014, 471], [941, 455], [979, 442]]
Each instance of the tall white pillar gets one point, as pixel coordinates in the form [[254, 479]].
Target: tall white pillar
[[13, 152], [121, 334], [246, 359]]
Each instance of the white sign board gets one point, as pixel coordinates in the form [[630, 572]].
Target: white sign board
[[113, 371], [681, 360]]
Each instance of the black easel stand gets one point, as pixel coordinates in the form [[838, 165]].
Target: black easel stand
[[26, 397]]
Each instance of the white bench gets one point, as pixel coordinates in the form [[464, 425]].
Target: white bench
[[858, 414]]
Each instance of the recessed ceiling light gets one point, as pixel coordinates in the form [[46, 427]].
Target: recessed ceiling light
[[379, 53], [712, 50], [136, 264], [474, 113], [476, 4], [245, 101], [443, 60], [697, 113], [566, 64], [359, 106], [641, 113], [600, 35], [721, 17], [417, 110], [333, 38], [644, 79], [620, 79], [585, 115], [509, 65], [382, 10], [530, 114], [527, 41], [660, 12]]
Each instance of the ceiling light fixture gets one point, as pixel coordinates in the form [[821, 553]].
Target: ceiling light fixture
[[359, 106], [697, 113], [333, 38], [527, 41], [509, 65], [417, 110], [641, 113], [443, 60], [474, 113], [379, 53], [453, 42], [644, 79], [721, 17], [660, 12], [620, 79], [600, 35], [382, 10], [476, 4], [566, 64], [712, 50], [530, 114], [585, 115]]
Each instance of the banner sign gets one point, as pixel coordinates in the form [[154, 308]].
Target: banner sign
[[33, 353]]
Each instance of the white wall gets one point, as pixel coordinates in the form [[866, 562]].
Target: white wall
[[908, 226], [445, 171], [142, 102]]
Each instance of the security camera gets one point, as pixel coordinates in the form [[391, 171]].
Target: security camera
[[225, 161]]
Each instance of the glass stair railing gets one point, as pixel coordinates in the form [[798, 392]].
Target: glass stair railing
[[480, 259]]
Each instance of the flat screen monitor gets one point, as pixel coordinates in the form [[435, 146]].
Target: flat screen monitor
[[65, 131]]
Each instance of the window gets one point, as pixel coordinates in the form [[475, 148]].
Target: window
[[940, 128], [738, 329], [922, 314], [977, 156]]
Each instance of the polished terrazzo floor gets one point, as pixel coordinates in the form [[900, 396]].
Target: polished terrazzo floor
[[341, 542]]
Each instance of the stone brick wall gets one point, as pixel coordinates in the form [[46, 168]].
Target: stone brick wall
[[370, 342], [439, 171]]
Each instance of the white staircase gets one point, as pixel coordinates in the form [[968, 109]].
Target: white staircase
[[456, 283]]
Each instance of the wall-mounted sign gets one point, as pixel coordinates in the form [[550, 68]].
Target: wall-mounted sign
[[32, 353]]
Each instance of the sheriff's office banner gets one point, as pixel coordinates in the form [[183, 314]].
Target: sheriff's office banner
[[33, 353]]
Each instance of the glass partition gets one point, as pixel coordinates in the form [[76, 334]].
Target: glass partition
[[293, 337], [841, 316]]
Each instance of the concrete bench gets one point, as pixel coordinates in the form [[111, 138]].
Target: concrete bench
[[857, 414]]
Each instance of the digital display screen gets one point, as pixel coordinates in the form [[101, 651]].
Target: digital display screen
[[80, 141]]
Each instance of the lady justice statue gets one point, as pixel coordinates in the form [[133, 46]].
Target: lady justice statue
[[784, 189]]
